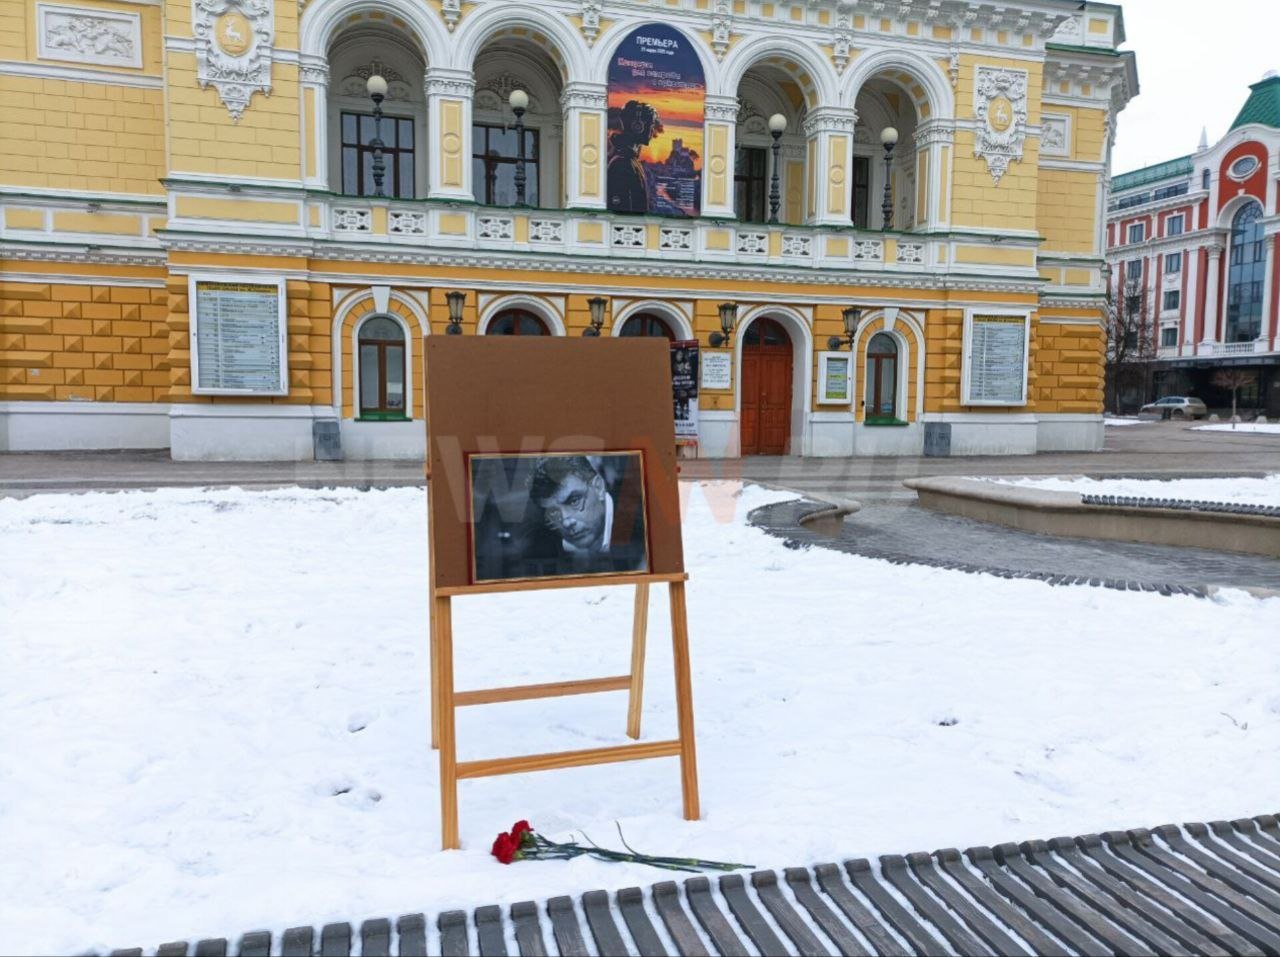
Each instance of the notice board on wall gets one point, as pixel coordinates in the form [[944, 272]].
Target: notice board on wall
[[238, 336], [510, 423]]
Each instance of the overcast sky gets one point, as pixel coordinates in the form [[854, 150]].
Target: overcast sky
[[1195, 63]]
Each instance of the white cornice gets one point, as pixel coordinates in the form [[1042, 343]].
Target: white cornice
[[79, 74]]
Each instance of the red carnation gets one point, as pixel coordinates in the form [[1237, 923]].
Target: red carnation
[[519, 830], [505, 848]]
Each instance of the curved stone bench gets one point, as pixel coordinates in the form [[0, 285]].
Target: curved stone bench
[[828, 519], [1067, 514]]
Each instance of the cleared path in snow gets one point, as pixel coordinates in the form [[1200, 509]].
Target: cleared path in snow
[[1193, 890]]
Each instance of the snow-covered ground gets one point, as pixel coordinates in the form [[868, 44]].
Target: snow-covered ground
[[1123, 420], [1265, 428], [1244, 491], [214, 713]]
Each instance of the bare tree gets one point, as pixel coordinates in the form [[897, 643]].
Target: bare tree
[[1131, 341], [1235, 380]]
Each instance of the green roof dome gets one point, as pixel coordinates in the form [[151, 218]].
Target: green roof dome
[[1263, 105]]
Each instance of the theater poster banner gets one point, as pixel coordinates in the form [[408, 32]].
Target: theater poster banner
[[657, 97], [684, 389]]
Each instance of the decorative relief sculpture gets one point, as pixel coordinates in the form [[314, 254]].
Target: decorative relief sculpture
[[355, 83], [1000, 107], [451, 10], [1054, 135], [90, 36], [591, 20], [721, 23], [843, 37], [233, 48], [493, 91]]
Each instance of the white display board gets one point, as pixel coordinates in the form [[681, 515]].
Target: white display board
[[717, 369], [995, 358], [238, 336], [835, 376]]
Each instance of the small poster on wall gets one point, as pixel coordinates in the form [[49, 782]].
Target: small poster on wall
[[717, 370], [656, 99], [684, 389], [556, 515], [834, 377]]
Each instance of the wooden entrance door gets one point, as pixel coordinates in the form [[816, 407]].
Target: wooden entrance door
[[766, 389]]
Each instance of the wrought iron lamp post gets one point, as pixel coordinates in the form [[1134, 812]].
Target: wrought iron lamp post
[[777, 126], [456, 301], [888, 139], [377, 88], [728, 319], [519, 101], [597, 305], [851, 316]]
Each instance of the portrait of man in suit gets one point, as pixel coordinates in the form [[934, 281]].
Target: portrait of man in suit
[[558, 515]]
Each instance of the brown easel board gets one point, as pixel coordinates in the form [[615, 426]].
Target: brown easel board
[[551, 464]]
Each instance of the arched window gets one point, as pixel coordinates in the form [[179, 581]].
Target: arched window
[[1246, 270], [647, 324], [382, 392], [766, 332], [882, 378], [516, 322]]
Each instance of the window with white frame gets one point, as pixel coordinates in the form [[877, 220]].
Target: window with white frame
[[1174, 224], [1168, 337], [1137, 232], [1172, 263], [1172, 299], [1133, 270]]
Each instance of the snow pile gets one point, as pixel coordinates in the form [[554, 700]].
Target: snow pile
[[1120, 420], [1263, 428], [215, 713], [1241, 491]]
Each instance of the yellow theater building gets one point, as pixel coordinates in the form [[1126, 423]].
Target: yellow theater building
[[226, 226]]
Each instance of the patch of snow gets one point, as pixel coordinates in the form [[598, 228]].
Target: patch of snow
[[1244, 491], [215, 712], [1122, 420], [1265, 428]]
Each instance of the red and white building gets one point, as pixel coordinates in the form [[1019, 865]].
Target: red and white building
[[1192, 247]]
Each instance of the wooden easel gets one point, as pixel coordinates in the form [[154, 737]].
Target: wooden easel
[[445, 700], [632, 378]]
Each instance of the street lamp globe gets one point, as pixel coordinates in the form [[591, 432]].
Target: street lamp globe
[[376, 85], [518, 100], [777, 123], [888, 136]]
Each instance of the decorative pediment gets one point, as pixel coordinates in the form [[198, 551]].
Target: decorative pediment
[[233, 48]]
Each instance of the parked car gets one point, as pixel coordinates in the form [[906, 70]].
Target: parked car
[[1176, 407]]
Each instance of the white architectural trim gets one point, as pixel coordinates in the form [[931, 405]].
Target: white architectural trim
[[750, 52], [537, 306], [51, 71], [926, 72], [341, 313], [799, 327], [322, 20], [682, 327], [479, 26]]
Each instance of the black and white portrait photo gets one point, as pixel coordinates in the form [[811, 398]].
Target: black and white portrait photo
[[557, 515]]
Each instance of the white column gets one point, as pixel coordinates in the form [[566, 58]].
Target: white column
[[937, 139], [829, 132], [449, 96], [1268, 276], [586, 123], [314, 123], [1191, 263], [1211, 308], [719, 145]]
